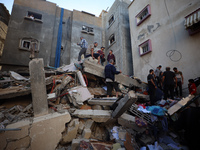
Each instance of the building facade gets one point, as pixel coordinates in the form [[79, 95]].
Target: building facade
[[166, 33], [117, 35], [38, 28], [4, 19]]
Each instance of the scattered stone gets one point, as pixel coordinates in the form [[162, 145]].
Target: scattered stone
[[86, 133], [116, 146], [81, 127], [71, 132]]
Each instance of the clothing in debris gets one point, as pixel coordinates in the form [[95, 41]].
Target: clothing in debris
[[168, 78], [84, 45]]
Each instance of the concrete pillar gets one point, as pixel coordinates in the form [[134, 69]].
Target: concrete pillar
[[38, 87]]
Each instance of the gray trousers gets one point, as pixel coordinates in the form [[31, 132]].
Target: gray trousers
[[82, 51]]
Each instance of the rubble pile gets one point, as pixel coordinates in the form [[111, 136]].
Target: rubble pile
[[98, 122]]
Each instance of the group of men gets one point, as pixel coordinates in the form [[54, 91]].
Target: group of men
[[166, 81], [88, 51], [110, 70]]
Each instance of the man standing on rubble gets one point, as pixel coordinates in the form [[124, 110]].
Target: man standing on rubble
[[110, 72], [179, 77], [157, 74], [152, 86], [168, 80], [111, 56], [84, 45]]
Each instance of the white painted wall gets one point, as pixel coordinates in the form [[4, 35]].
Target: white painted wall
[[165, 28]]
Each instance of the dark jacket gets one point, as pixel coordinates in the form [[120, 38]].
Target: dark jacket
[[110, 72], [109, 57]]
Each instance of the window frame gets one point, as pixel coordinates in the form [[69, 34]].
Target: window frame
[[110, 22], [21, 43], [112, 36], [36, 18], [87, 29], [139, 15], [141, 46]]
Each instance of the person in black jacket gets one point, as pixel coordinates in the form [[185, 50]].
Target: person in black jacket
[[110, 72]]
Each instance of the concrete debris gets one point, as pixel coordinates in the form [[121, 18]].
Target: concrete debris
[[124, 103], [71, 132], [17, 76], [80, 94], [69, 109]]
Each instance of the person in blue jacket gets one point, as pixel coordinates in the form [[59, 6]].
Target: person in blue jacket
[[110, 72]]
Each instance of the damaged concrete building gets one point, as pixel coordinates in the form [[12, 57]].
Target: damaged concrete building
[[166, 33], [4, 19], [67, 107], [55, 31]]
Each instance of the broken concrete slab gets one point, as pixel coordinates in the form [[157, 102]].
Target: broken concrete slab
[[96, 115], [17, 76], [14, 91], [98, 70], [180, 104], [38, 87], [102, 101], [38, 130], [80, 94], [71, 132], [127, 81], [124, 103], [67, 68]]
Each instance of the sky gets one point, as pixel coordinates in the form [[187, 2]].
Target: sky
[[92, 6]]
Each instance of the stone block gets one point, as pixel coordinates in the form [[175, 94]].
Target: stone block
[[36, 133], [81, 127], [89, 123], [86, 133], [38, 87], [75, 143], [72, 131]]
